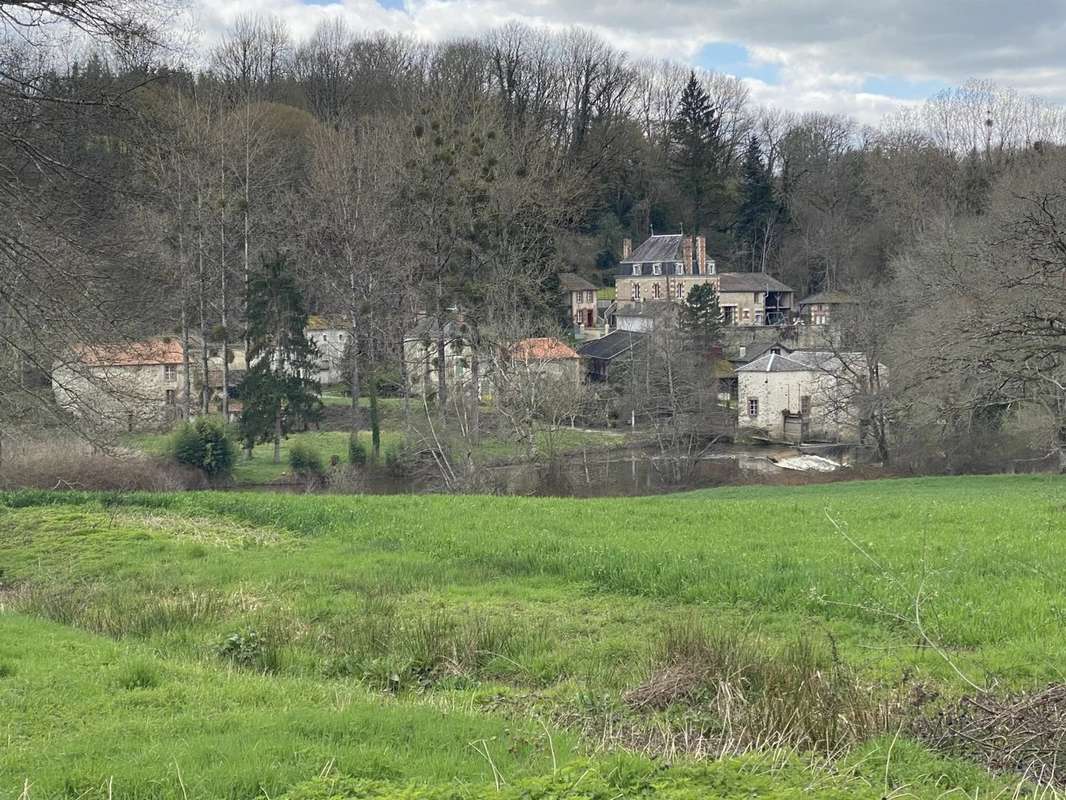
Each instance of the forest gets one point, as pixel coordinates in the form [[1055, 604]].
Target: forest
[[141, 185]]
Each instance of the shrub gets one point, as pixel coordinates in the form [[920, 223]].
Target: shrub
[[248, 649], [356, 450], [306, 461], [206, 445]]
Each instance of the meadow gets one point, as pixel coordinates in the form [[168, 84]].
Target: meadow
[[749, 641]]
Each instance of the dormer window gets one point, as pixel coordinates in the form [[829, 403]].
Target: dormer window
[[656, 269], [636, 269], [679, 268]]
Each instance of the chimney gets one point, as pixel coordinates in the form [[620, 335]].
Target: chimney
[[686, 254], [627, 248], [701, 256]]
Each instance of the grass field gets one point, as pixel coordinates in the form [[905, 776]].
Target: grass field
[[250, 645], [261, 469]]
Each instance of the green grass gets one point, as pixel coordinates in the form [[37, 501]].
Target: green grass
[[386, 636], [606, 293]]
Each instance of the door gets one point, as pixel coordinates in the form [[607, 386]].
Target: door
[[588, 318]]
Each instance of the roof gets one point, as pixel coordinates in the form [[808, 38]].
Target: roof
[[797, 361], [829, 298], [647, 308], [572, 282], [611, 346], [322, 323], [543, 349], [665, 247], [750, 282], [754, 351], [131, 354]]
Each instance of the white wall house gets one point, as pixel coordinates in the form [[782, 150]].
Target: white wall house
[[331, 337], [800, 395]]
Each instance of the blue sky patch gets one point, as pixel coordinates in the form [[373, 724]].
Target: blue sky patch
[[736, 60], [895, 86]]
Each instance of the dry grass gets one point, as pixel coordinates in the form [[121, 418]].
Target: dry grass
[[66, 462]]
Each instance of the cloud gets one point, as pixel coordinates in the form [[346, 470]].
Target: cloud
[[824, 55]]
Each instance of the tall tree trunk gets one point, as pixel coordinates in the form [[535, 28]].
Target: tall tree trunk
[[205, 394], [353, 347], [442, 355], [224, 295], [277, 434], [475, 378]]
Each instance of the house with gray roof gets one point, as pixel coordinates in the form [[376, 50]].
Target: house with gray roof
[[800, 395], [666, 267], [578, 297]]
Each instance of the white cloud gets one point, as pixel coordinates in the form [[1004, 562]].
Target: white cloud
[[824, 49]]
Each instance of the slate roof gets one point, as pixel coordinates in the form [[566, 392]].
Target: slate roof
[[665, 247], [750, 282], [131, 354], [572, 282], [610, 346], [796, 361], [829, 298]]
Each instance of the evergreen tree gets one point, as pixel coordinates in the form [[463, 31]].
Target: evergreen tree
[[759, 211], [697, 153], [277, 391], [700, 316]]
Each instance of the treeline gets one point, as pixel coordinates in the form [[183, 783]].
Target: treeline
[[403, 178]]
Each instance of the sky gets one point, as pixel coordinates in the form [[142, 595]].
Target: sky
[[865, 59]]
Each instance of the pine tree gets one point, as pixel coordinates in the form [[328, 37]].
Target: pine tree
[[701, 317], [758, 215], [698, 153], [277, 391]]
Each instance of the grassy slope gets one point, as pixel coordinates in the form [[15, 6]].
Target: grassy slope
[[560, 600]]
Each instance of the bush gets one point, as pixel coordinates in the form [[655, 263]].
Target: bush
[[356, 450], [206, 445], [306, 461]]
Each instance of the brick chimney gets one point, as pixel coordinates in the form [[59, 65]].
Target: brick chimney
[[701, 256], [627, 248], [686, 254]]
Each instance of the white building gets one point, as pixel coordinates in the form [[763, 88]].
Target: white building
[[801, 395], [331, 337]]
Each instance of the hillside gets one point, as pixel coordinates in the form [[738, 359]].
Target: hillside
[[765, 641]]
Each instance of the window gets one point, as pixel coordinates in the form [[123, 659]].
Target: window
[[656, 291], [589, 296], [635, 291], [753, 406], [805, 405], [170, 373], [679, 268], [656, 269], [680, 291], [758, 318], [172, 397], [747, 314], [636, 269]]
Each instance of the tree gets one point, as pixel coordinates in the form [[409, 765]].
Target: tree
[[759, 213], [700, 315], [277, 392], [697, 154]]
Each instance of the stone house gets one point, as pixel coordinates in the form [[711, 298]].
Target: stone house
[[821, 308], [330, 337], [666, 267], [800, 395], [579, 300], [132, 385], [421, 361], [551, 357]]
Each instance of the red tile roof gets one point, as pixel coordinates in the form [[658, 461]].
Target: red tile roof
[[543, 349], [131, 354]]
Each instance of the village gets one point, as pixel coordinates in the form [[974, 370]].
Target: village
[[776, 366]]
